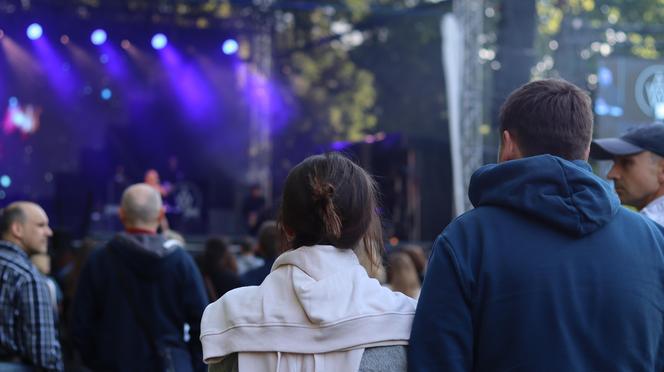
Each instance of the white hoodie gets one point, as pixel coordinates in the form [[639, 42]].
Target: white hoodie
[[316, 311]]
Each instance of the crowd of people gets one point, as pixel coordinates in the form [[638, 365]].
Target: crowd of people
[[547, 273]]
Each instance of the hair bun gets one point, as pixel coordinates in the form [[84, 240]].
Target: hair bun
[[321, 191]]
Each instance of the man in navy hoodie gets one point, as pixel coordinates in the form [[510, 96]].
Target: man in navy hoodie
[[136, 295], [548, 272]]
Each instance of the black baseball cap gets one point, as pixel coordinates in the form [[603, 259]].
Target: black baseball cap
[[643, 138]]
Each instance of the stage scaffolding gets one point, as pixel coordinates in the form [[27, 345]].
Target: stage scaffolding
[[260, 141], [470, 18]]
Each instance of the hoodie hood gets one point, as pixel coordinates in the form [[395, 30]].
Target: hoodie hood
[[564, 193], [143, 253], [317, 299], [324, 292]]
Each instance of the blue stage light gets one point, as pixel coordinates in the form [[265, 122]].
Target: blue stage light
[[616, 111], [230, 46], [5, 181], [34, 31], [106, 94], [601, 107], [159, 41], [98, 37]]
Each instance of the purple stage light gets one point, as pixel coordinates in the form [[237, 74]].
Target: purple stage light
[[191, 87], [340, 145], [159, 41], [113, 62], [34, 31], [57, 70], [230, 47], [98, 37]]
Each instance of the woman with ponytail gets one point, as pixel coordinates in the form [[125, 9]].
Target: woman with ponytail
[[318, 310]]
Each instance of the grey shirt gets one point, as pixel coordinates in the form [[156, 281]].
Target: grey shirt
[[374, 359]]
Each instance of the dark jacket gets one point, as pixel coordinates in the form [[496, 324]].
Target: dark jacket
[[223, 281], [547, 273], [167, 288], [257, 275]]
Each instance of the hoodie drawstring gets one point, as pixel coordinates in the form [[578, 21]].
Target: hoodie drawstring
[[278, 360]]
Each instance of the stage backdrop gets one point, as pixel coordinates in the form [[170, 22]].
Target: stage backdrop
[[82, 121]]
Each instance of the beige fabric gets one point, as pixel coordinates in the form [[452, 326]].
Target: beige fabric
[[333, 361], [316, 311]]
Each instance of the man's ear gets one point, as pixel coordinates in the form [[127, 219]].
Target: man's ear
[[586, 154], [509, 150], [16, 230], [121, 214], [162, 213], [660, 171]]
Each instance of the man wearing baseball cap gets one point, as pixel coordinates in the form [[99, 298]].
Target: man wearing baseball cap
[[638, 168]]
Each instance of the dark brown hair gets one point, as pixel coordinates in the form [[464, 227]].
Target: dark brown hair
[[328, 199], [268, 239], [549, 117], [217, 256], [10, 215]]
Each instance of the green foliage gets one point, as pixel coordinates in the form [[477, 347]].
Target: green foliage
[[358, 8], [405, 57], [390, 80], [335, 98], [640, 20]]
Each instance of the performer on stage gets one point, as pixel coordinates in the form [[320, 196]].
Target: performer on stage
[[152, 179]]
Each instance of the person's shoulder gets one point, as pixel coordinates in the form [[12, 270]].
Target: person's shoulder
[[99, 252], [384, 359], [182, 261], [246, 296], [101, 261], [474, 221], [179, 254], [482, 214], [19, 269], [19, 266], [239, 306], [629, 219], [629, 214], [26, 276], [240, 302], [173, 244]]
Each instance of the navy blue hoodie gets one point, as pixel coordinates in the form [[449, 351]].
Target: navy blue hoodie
[[547, 273], [167, 288]]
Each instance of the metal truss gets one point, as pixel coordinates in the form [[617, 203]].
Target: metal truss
[[470, 14], [260, 141]]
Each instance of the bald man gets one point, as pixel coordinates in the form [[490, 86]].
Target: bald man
[[28, 337], [138, 294]]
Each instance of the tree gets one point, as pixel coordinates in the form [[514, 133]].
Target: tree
[[334, 98], [626, 27], [403, 50]]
